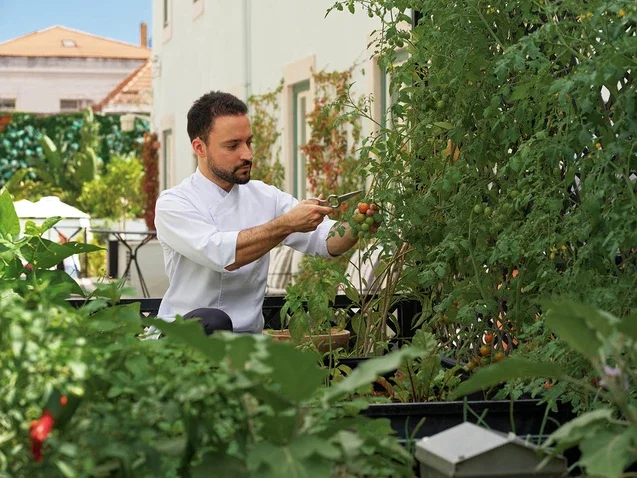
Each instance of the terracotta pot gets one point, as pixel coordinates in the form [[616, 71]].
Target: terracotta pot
[[336, 338]]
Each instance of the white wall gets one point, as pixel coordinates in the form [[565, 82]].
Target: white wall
[[206, 50], [38, 84]]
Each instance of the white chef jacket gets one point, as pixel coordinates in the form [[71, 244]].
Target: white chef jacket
[[197, 225]]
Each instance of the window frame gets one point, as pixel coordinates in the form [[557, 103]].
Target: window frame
[[166, 157], [300, 96], [80, 104], [7, 108]]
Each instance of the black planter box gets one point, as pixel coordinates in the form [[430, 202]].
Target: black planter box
[[495, 414]]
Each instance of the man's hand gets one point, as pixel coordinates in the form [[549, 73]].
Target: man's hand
[[306, 216]]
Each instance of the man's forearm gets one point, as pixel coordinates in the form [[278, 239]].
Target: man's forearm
[[337, 244], [255, 242]]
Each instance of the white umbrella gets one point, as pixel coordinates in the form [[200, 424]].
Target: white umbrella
[[25, 209], [72, 218], [51, 206]]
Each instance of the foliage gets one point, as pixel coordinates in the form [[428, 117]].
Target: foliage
[[240, 405], [333, 166], [508, 166], [117, 193], [150, 182], [20, 139], [264, 111], [607, 435], [60, 172], [26, 254], [307, 309], [422, 379]]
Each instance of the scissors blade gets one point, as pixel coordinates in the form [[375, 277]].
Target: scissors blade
[[346, 196]]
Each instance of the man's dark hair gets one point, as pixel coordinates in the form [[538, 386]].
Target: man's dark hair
[[210, 106]]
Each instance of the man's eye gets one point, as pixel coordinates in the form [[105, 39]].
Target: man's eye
[[249, 144], [232, 146]]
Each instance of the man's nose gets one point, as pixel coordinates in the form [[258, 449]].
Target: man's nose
[[246, 153]]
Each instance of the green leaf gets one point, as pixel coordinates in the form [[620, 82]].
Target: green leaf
[[281, 427], [239, 348], [220, 464], [191, 333], [299, 325], [66, 470], [56, 277], [367, 372], [172, 447], [574, 431], [31, 229], [303, 458], [568, 322], [628, 326], [126, 317], [443, 125], [608, 454], [51, 153], [45, 254], [512, 368], [9, 222], [296, 372], [137, 365]]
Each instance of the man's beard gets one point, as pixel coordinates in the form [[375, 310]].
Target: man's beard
[[229, 177]]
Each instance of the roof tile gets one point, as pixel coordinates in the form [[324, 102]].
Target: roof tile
[[50, 42]]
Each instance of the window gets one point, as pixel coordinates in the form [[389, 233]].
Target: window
[[69, 43], [300, 103], [166, 18], [298, 94], [167, 145], [7, 104], [70, 105], [165, 13], [387, 97]]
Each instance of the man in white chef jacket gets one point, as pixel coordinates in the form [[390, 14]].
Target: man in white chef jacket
[[217, 227]]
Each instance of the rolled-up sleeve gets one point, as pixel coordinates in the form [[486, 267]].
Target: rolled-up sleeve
[[182, 227]]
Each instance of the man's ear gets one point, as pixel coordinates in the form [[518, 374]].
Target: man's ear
[[199, 147]]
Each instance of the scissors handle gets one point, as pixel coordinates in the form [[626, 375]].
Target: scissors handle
[[334, 200]]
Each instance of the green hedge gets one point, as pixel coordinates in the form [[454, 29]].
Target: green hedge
[[19, 139]]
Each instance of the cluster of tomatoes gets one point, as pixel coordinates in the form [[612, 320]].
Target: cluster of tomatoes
[[365, 220], [486, 354]]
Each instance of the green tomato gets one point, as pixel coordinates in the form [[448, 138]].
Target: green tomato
[[359, 218], [488, 211], [369, 220], [378, 218], [364, 227], [477, 209]]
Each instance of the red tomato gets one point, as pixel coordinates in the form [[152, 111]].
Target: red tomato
[[363, 207]]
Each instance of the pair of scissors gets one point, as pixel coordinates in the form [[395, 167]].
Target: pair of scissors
[[334, 200]]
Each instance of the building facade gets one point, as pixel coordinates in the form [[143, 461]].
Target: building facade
[[59, 70], [248, 47]]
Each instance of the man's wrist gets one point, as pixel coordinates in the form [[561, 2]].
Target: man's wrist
[[282, 226]]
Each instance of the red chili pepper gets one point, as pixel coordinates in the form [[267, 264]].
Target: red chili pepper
[[40, 429]]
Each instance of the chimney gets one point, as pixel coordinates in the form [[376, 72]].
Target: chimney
[[143, 33]]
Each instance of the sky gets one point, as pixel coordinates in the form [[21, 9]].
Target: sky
[[115, 19]]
